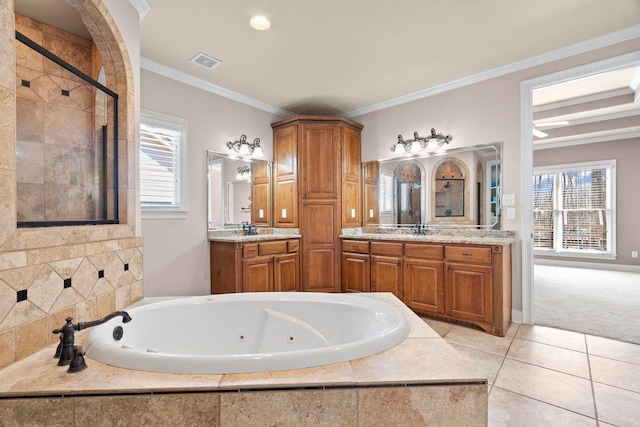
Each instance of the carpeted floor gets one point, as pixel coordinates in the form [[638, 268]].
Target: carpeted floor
[[596, 302]]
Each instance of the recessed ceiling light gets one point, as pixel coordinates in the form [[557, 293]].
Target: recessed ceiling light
[[260, 22]]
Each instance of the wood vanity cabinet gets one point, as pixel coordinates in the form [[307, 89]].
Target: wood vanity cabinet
[[465, 283], [386, 268], [355, 266], [317, 188], [263, 266], [423, 280]]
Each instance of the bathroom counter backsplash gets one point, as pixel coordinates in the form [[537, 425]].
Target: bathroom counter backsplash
[[236, 234], [422, 358], [432, 234]]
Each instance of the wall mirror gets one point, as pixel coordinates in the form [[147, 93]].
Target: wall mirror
[[238, 190], [459, 187]]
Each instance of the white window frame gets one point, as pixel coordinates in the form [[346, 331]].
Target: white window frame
[[558, 251], [176, 124]]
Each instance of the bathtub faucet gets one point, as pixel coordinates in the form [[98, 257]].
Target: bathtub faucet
[[65, 350]]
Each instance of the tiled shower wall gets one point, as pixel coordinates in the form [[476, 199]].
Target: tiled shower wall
[[58, 162], [47, 274]]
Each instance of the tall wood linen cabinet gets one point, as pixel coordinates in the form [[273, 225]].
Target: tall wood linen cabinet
[[317, 189]]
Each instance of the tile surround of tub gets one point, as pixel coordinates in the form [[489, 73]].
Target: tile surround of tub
[[343, 394]]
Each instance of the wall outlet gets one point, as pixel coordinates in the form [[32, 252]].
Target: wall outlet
[[508, 199], [511, 213], [634, 254]]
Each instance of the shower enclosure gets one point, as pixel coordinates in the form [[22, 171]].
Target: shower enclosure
[[66, 127]]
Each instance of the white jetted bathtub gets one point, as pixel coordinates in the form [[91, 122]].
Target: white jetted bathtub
[[249, 332]]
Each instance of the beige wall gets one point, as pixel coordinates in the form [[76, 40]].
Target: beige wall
[[176, 251], [627, 154], [40, 260]]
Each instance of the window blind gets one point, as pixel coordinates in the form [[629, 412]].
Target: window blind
[[386, 193], [572, 209], [159, 166], [543, 190], [584, 209]]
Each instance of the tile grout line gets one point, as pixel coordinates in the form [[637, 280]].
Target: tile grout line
[[503, 360], [593, 391]]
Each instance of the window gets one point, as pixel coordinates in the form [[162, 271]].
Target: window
[[162, 156], [386, 192], [573, 209]]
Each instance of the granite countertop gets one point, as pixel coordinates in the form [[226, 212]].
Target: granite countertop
[[422, 358], [462, 236], [237, 235]]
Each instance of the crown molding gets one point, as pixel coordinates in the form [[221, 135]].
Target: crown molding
[[172, 73], [142, 6], [623, 35]]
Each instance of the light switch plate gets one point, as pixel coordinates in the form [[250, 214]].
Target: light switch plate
[[508, 200], [511, 213]]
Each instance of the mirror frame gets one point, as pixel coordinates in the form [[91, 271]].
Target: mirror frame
[[263, 182], [494, 157]]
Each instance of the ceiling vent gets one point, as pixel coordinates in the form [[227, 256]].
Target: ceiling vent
[[206, 61]]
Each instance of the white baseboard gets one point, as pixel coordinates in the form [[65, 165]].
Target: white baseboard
[[592, 265]]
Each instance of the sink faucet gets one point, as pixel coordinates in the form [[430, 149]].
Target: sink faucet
[[249, 229], [65, 350], [419, 229]]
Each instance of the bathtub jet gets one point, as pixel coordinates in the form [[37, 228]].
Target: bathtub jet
[[248, 332]]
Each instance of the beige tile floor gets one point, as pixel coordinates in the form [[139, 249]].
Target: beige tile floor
[[540, 376]]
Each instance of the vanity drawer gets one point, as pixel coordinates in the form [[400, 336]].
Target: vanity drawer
[[358, 246], [422, 250], [250, 250], [272, 248], [468, 253], [293, 245], [386, 248]]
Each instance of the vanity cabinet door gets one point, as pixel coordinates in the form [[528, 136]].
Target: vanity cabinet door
[[257, 274], [319, 160], [423, 285], [287, 272], [386, 275], [285, 177], [355, 272], [261, 193], [469, 292]]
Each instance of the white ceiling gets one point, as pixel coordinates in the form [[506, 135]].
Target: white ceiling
[[337, 56]]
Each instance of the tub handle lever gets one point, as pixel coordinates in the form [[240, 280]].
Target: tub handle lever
[[65, 350]]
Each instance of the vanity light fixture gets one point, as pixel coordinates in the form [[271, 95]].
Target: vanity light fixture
[[245, 148], [244, 172], [420, 143]]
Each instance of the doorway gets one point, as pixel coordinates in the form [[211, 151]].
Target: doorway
[[532, 113]]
